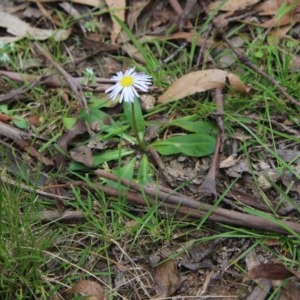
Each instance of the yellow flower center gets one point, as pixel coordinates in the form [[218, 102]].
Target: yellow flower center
[[127, 81]]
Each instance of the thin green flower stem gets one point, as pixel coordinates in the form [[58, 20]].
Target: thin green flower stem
[[140, 142]]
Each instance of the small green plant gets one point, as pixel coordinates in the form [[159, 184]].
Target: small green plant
[[91, 26], [126, 84], [90, 76], [5, 51], [199, 141]]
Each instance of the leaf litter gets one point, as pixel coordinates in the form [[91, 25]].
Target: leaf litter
[[210, 167]]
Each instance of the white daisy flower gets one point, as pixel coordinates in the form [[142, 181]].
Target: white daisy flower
[[127, 84]]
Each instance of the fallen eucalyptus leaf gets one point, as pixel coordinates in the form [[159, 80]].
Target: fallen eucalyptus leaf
[[201, 81], [19, 28], [117, 8], [274, 271]]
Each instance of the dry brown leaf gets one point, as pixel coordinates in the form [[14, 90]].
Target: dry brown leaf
[[291, 291], [19, 28], [167, 279], [273, 271], [35, 120], [289, 155], [267, 8], [5, 118], [89, 288], [10, 39], [83, 155], [200, 81], [274, 22], [135, 10], [133, 52], [229, 161], [64, 140], [117, 8], [273, 6], [241, 166], [232, 5], [290, 180]]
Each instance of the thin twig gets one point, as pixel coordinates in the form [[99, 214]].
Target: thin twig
[[203, 46], [74, 86], [161, 166], [30, 189], [54, 216], [180, 12], [22, 139], [209, 185]]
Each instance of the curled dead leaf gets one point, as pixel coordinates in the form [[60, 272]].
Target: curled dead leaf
[[273, 271], [83, 154], [200, 81], [35, 120], [133, 52], [89, 288], [135, 9], [167, 279], [5, 118]]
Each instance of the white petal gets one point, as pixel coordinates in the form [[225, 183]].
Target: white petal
[[128, 94], [130, 72], [110, 88], [141, 86], [115, 91]]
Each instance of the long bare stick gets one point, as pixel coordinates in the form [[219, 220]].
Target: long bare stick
[[196, 209]]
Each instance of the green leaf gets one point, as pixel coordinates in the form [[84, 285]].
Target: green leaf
[[125, 172], [69, 122], [191, 144], [259, 54], [17, 120], [20, 122], [110, 155], [4, 108], [105, 121], [107, 124], [188, 124], [98, 103], [144, 171]]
